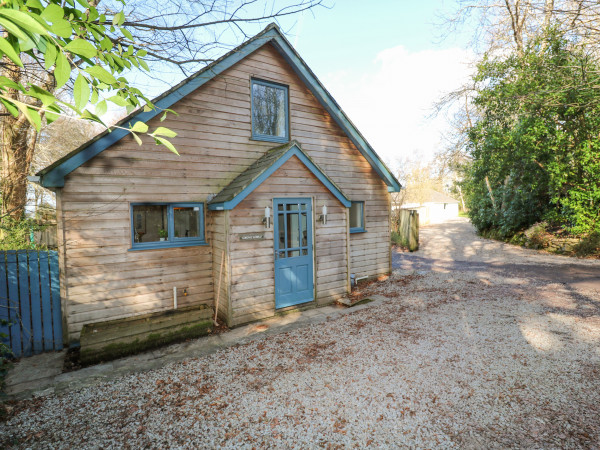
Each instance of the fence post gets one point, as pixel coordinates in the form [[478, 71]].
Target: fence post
[[413, 232]]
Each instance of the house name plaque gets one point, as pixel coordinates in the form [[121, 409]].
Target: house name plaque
[[252, 236]]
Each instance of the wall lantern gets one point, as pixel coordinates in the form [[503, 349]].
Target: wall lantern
[[323, 216], [267, 219]]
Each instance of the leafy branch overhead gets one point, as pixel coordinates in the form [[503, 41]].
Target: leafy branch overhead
[[72, 38]]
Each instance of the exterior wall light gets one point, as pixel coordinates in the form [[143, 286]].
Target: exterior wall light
[[323, 216], [267, 219]]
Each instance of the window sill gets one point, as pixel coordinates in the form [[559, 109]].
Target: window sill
[[279, 140], [357, 230], [162, 245]]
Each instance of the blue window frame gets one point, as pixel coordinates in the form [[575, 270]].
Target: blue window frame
[[357, 217], [270, 111], [164, 225]]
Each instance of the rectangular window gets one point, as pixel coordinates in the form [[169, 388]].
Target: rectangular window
[[269, 112], [357, 217], [161, 225]]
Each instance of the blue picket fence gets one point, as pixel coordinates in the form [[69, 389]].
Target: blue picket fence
[[30, 301]]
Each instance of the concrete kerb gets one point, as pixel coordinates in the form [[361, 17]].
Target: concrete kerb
[[42, 375]]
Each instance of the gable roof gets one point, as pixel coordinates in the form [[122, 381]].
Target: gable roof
[[53, 175], [263, 168]]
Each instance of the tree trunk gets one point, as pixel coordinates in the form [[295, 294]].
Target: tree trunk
[[18, 145]]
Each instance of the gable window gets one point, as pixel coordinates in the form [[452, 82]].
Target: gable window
[[357, 217], [270, 112], [161, 225]]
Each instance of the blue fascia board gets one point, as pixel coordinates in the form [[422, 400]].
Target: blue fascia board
[[310, 80], [56, 177], [293, 151]]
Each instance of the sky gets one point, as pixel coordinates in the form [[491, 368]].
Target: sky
[[386, 65]]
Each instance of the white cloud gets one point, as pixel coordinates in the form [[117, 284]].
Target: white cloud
[[391, 101]]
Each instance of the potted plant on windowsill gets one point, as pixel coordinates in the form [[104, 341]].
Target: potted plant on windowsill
[[162, 234]]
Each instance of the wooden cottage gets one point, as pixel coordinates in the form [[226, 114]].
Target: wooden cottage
[[275, 201]]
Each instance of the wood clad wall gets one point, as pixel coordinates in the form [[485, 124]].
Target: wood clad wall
[[252, 262], [106, 281], [218, 224]]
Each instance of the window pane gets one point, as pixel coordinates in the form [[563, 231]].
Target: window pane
[[150, 223], [304, 230], [187, 220], [356, 215], [293, 234], [268, 110], [281, 228]]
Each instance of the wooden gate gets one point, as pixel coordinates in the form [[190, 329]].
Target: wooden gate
[[30, 312]]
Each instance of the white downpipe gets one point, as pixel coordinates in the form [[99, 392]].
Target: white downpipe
[[174, 297]]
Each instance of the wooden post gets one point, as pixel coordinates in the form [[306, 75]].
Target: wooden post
[[413, 233], [219, 287]]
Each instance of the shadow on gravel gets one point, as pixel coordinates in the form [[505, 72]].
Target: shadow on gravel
[[572, 275]]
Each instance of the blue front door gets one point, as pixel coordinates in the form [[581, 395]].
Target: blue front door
[[293, 251]]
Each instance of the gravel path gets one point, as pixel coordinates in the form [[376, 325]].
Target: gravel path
[[456, 240], [451, 359]]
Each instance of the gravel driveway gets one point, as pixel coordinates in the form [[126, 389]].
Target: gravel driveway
[[452, 358]]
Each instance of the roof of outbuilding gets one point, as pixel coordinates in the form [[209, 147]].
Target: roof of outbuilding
[[53, 175], [427, 195], [262, 168]]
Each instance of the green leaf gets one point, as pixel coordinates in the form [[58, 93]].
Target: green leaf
[[144, 64], [13, 29], [62, 28], [119, 101], [162, 131], [94, 98], [53, 13], [141, 53], [52, 114], [81, 92], [84, 4], [140, 127], [7, 82], [36, 4], [101, 74], [106, 44], [10, 107], [32, 115], [101, 108], [87, 115], [62, 72], [127, 33], [166, 143], [46, 97], [24, 20], [137, 138], [9, 51], [50, 56], [118, 18], [82, 47]]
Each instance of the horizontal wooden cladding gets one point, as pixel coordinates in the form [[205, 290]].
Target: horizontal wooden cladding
[[148, 283], [127, 309], [214, 142], [253, 286]]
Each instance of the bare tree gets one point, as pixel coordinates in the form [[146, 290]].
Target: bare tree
[[180, 36]]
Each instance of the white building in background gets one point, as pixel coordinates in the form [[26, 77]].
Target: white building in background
[[433, 206]]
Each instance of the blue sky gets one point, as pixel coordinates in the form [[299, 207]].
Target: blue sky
[[385, 64]]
